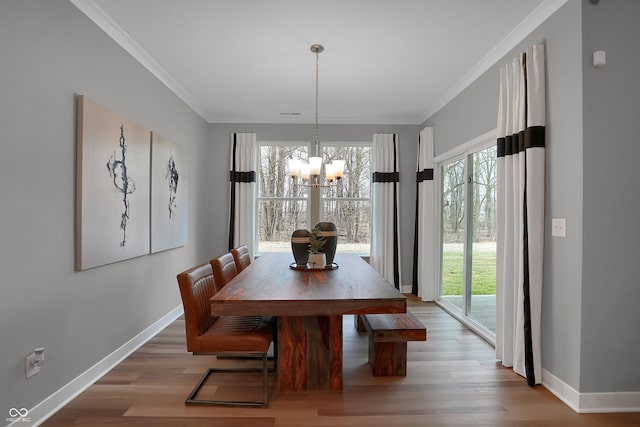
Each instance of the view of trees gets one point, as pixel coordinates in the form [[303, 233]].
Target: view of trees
[[483, 165], [348, 204], [283, 204], [483, 192]]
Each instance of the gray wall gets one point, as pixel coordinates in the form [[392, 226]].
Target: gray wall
[[611, 271], [50, 52], [407, 151], [474, 112], [591, 291]]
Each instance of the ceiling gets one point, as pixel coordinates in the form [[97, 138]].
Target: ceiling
[[385, 61]]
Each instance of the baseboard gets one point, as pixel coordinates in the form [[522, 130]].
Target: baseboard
[[591, 402], [45, 409], [579, 402]]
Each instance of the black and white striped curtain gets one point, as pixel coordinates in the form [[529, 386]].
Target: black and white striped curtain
[[242, 179], [385, 235], [423, 244], [521, 196]]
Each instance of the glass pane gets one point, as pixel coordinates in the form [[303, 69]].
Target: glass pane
[[278, 219], [282, 205], [452, 215], [353, 221], [356, 182], [273, 174], [482, 307], [352, 217]]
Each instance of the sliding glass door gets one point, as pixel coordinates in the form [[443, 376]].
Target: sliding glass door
[[468, 236], [453, 235], [482, 235]]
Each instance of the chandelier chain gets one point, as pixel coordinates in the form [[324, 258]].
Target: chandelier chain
[[317, 141], [334, 170]]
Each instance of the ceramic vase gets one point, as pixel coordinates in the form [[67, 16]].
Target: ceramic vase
[[317, 260], [329, 231], [300, 246]]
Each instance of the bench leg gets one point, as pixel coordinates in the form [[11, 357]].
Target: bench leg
[[359, 323], [388, 358]]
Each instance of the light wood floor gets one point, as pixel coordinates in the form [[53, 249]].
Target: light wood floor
[[453, 380]]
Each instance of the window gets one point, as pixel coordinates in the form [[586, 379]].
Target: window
[[284, 206], [468, 235], [348, 204]]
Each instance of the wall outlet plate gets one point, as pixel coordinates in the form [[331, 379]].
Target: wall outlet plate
[[30, 368], [559, 227]]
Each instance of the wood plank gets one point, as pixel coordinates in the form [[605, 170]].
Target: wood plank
[[389, 358], [286, 346], [310, 353], [396, 327], [335, 353], [454, 381], [269, 287], [309, 305]]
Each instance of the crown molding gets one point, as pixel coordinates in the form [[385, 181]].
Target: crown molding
[[526, 27], [113, 30]]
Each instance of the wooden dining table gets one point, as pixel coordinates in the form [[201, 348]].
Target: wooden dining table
[[309, 305]]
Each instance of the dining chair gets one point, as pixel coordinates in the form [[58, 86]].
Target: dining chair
[[242, 257], [248, 336], [224, 269]]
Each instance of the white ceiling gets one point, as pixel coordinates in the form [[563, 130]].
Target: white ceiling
[[385, 61]]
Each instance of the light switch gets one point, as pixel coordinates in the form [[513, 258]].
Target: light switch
[[559, 227], [599, 59]]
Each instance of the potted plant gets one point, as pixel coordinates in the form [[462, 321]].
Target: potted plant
[[317, 259]]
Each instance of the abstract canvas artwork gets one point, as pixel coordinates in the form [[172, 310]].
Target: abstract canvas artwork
[[169, 194], [112, 195]]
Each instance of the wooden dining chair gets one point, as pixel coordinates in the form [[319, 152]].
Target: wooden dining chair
[[248, 336], [242, 257]]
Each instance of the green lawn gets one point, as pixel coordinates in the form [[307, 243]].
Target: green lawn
[[484, 269], [359, 248]]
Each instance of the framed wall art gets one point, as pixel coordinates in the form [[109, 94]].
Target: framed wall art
[[112, 186], [169, 194]]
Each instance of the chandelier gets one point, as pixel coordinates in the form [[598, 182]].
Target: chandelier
[[310, 172]]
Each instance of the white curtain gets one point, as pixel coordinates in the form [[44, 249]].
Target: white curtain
[[521, 182], [243, 190], [424, 237], [385, 252]]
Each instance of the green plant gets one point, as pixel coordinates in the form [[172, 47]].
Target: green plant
[[316, 241]]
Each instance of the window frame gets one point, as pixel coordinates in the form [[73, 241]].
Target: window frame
[[350, 199], [314, 197], [463, 152], [307, 198]]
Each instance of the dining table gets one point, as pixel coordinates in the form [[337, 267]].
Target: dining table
[[309, 305]]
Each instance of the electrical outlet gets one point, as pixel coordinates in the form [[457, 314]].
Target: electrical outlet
[[31, 368], [559, 227]]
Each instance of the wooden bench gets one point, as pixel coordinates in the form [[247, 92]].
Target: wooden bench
[[388, 336]]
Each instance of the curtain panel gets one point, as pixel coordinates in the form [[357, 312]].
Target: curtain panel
[[424, 235], [242, 177], [385, 252], [521, 187]]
